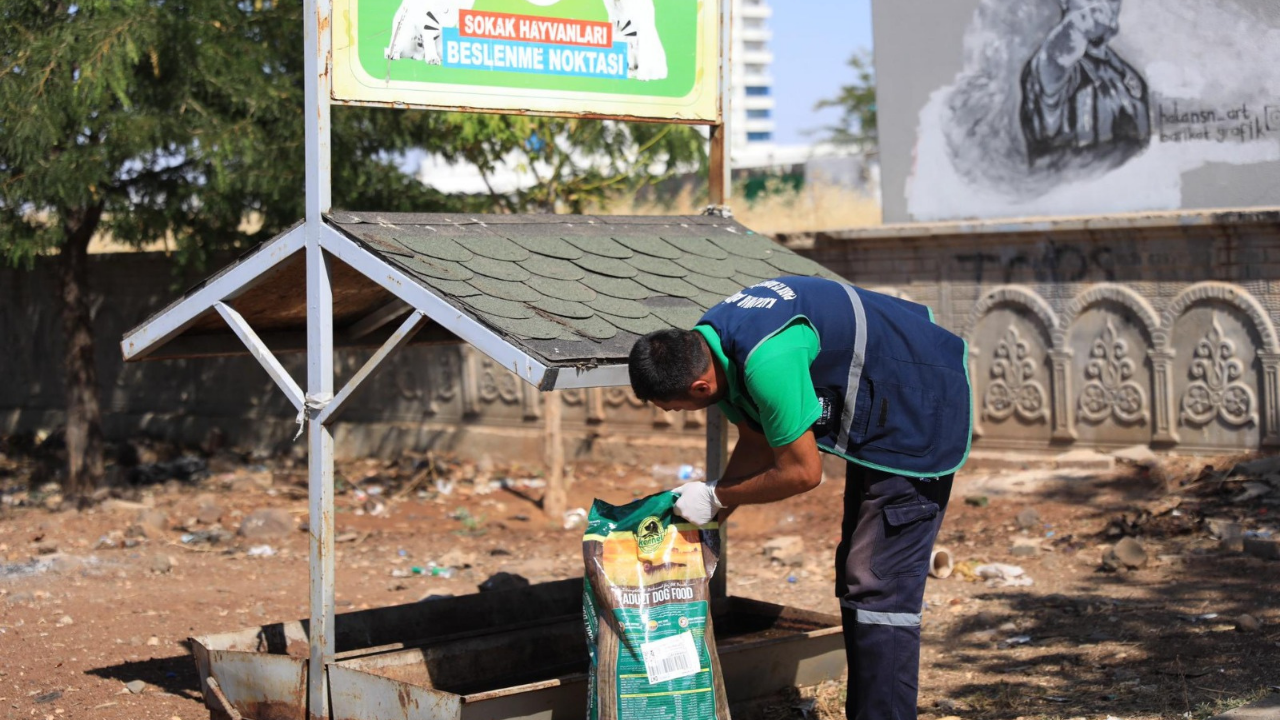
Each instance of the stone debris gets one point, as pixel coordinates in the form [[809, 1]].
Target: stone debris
[[161, 564], [977, 501], [48, 697], [1025, 547], [1085, 459], [135, 686], [151, 524], [1028, 518], [1127, 553], [266, 523], [209, 513], [65, 620], [456, 558], [1136, 455], [1247, 624], [785, 550], [1230, 534]]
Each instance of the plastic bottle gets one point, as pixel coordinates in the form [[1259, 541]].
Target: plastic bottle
[[677, 473], [443, 572]]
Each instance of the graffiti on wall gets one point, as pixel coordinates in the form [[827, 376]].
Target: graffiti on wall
[[1096, 106]]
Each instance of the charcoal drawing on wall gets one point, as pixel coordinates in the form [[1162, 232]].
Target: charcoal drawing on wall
[[1079, 97], [1047, 99], [1086, 107]]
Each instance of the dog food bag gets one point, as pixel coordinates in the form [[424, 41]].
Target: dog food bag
[[646, 604]]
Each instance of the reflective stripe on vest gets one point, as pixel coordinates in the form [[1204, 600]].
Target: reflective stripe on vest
[[855, 368]]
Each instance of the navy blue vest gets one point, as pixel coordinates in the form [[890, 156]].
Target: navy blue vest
[[893, 385]]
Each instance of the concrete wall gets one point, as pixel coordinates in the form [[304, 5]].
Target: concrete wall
[[449, 398], [1098, 334], [953, 87]]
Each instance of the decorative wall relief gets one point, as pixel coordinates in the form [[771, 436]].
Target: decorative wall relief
[[1013, 389], [430, 383], [496, 384], [1109, 389], [1216, 389]]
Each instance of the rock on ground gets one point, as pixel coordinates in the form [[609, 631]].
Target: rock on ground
[[1028, 518], [271, 522], [786, 550], [1128, 553]]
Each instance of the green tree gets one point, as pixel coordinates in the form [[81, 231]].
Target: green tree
[[181, 118], [857, 104]]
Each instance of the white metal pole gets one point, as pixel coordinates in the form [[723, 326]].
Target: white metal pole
[[722, 178], [316, 33]]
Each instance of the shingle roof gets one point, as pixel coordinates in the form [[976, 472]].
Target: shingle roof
[[575, 289]]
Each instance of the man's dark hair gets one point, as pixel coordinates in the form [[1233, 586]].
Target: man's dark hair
[[665, 363]]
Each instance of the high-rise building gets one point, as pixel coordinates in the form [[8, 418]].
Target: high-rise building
[[752, 110]]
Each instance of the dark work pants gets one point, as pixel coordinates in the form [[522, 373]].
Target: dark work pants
[[890, 523]]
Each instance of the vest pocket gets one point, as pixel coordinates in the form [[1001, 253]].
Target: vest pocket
[[900, 419], [903, 551]]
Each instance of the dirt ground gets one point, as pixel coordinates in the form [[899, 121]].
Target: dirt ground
[[92, 600]]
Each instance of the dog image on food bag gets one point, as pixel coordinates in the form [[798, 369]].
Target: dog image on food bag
[[418, 25]]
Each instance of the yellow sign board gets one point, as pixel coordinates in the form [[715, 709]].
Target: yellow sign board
[[653, 59]]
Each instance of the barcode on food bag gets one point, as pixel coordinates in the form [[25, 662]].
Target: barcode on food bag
[[670, 658]]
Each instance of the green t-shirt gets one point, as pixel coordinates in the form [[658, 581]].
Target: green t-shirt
[[776, 380]]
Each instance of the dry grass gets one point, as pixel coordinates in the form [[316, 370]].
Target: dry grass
[[781, 210]]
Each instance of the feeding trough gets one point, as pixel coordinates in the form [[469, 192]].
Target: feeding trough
[[507, 654], [558, 301]]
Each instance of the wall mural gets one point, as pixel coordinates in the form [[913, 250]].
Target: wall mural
[[1096, 106]]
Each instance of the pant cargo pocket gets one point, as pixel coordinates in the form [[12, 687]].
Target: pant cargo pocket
[[903, 550]]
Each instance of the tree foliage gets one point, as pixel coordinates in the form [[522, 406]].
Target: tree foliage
[[857, 104], [181, 117], [148, 119]]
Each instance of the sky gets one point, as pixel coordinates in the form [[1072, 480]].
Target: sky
[[812, 40]]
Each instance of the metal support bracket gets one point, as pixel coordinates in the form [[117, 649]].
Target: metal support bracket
[[402, 335], [262, 353]]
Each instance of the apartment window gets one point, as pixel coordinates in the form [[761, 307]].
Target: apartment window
[[759, 136], [757, 90], [755, 69], [753, 23], [753, 46], [759, 114]]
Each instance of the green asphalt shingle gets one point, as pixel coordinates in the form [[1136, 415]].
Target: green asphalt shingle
[[575, 289]]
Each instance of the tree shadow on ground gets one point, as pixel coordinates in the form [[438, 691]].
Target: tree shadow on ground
[[1123, 643]]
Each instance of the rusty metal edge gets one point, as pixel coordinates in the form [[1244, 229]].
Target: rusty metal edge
[[359, 695]]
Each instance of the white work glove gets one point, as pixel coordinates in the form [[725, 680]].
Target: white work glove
[[697, 502]]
